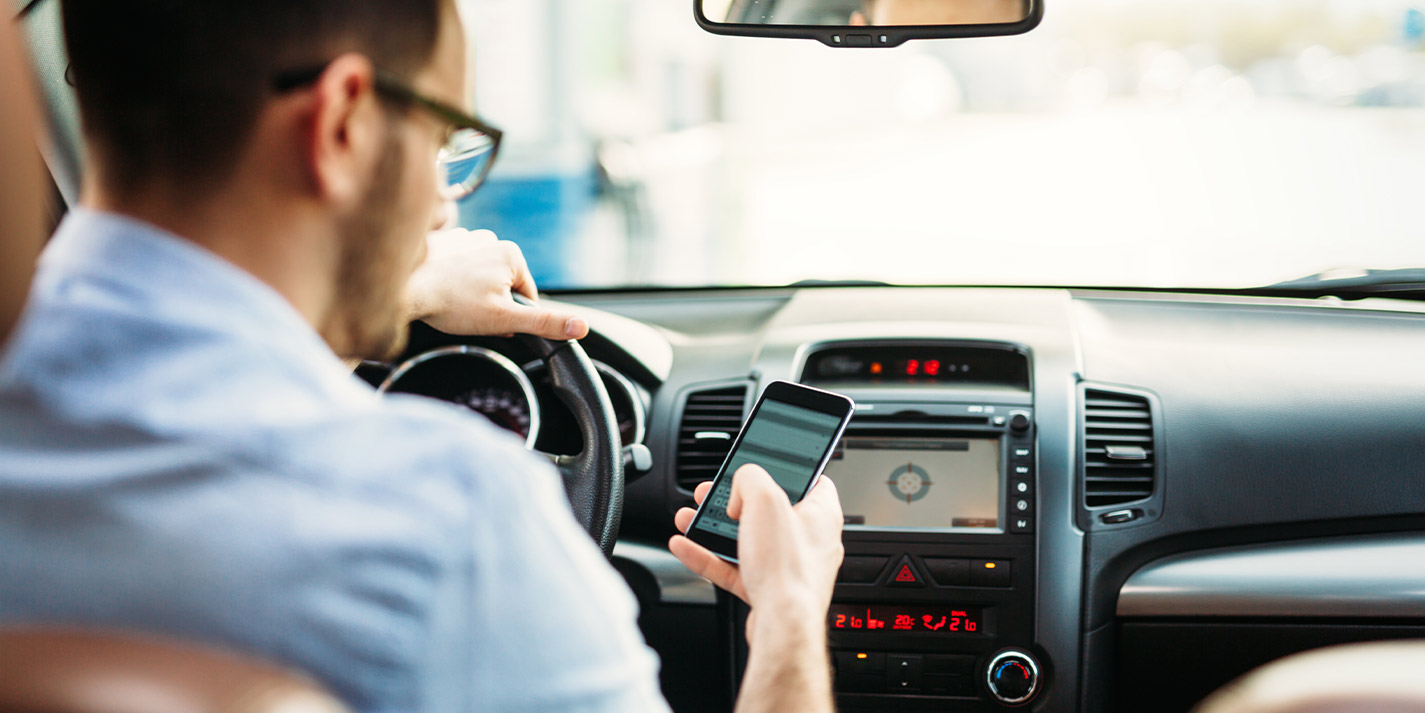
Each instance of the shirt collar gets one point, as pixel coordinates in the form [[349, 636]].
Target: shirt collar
[[175, 280]]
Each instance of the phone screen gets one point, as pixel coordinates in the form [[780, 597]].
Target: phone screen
[[791, 442]]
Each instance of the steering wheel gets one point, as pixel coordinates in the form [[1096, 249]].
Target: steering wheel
[[594, 478]]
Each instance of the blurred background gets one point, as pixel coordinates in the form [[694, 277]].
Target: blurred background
[[1207, 143]]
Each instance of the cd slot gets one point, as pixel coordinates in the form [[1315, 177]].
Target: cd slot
[[916, 422]]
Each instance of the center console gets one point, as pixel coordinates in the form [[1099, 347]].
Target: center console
[[934, 605]]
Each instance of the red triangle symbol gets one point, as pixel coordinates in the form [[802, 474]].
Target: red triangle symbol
[[904, 574]]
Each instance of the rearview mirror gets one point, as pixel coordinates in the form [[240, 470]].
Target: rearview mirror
[[868, 23]]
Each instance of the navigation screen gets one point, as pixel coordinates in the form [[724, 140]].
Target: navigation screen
[[919, 483], [789, 441]]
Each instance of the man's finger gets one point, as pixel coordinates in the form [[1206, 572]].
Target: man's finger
[[683, 518], [547, 323], [700, 493], [822, 502], [752, 482], [702, 562], [522, 280], [823, 494]]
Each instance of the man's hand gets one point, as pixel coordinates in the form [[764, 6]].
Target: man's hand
[[465, 285], [788, 555], [788, 560]]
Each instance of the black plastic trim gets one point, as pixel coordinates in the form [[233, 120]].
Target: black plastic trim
[[892, 36]]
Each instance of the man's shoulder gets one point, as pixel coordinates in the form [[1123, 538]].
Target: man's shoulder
[[402, 443]]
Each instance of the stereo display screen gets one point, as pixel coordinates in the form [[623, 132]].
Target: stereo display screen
[[933, 483], [948, 621]]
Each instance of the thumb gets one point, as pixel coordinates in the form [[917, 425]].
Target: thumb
[[750, 483], [547, 323]]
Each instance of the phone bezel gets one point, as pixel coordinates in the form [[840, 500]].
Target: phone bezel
[[794, 394]]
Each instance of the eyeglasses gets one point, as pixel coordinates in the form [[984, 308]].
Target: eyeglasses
[[470, 147]]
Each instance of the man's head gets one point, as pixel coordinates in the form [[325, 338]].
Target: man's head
[[939, 12], [189, 125]]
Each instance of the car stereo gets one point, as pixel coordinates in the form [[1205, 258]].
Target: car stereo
[[934, 604], [934, 607]]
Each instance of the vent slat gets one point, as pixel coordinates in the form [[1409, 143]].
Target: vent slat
[[711, 411], [1117, 438], [1112, 419], [1134, 413]]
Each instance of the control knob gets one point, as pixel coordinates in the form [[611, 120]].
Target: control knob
[[1013, 677], [1019, 422]]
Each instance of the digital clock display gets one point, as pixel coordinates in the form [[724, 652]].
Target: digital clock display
[[939, 621], [921, 365]]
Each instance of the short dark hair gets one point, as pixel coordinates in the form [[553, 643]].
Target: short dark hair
[[171, 88]]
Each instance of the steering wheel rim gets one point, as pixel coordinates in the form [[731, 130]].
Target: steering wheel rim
[[594, 478]]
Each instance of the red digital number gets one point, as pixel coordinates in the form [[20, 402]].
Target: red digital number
[[955, 624], [912, 367], [932, 367], [841, 621]]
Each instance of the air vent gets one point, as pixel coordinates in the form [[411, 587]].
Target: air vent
[[711, 420], [1119, 458]]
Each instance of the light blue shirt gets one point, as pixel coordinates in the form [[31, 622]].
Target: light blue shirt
[[181, 453]]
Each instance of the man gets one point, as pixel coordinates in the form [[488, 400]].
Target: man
[[22, 197], [183, 452]]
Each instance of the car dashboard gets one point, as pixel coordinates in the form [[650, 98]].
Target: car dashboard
[[1056, 499]]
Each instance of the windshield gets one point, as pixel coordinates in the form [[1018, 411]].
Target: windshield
[[1168, 143]]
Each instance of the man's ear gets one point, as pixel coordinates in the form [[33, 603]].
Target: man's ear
[[344, 135]]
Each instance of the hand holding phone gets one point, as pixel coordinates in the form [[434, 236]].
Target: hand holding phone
[[788, 553], [790, 435]]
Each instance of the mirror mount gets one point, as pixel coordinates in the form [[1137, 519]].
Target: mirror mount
[[849, 35]]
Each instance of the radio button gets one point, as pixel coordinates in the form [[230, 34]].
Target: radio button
[[860, 569], [1021, 524], [851, 662], [1021, 487], [904, 673], [1022, 453], [949, 572], [990, 573]]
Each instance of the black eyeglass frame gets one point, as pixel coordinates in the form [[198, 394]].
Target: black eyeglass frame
[[397, 89]]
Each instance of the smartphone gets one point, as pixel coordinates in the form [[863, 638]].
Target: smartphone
[[791, 433]]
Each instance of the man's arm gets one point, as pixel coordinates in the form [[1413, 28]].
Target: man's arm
[[465, 285], [788, 561]]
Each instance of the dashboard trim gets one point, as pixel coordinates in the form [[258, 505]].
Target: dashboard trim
[[1357, 577]]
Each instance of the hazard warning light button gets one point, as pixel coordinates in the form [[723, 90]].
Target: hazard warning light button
[[904, 574]]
